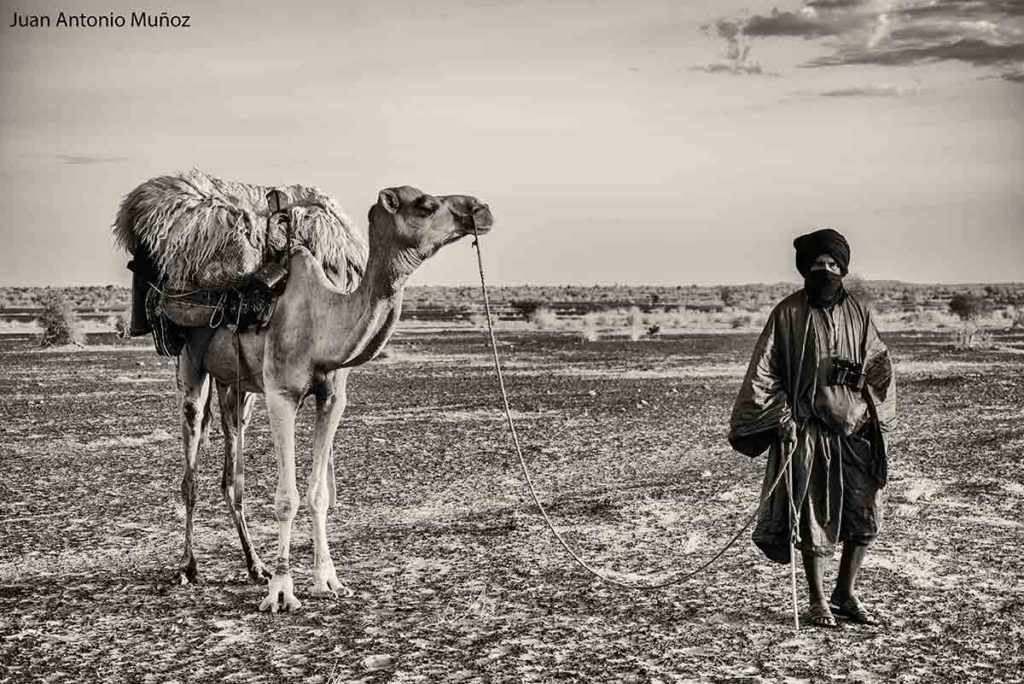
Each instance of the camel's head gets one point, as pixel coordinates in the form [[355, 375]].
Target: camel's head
[[420, 224]]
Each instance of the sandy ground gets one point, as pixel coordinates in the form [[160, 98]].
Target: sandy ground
[[456, 577]]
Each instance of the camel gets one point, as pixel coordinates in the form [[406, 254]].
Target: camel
[[317, 334]]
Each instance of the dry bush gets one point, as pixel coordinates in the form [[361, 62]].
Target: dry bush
[[525, 308], [729, 297], [479, 320], [858, 287], [588, 329], [122, 326], [59, 322], [971, 337], [592, 319], [1017, 317], [742, 321], [968, 306], [543, 319]]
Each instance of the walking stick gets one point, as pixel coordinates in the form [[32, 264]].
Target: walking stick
[[793, 522], [794, 513]]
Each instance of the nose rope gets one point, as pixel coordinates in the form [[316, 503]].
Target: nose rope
[[679, 578]]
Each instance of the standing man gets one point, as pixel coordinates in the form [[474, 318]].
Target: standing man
[[820, 383]]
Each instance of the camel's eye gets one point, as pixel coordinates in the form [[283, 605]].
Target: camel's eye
[[427, 205]]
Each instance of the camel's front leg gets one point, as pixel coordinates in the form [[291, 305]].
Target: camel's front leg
[[282, 407], [194, 389], [330, 405]]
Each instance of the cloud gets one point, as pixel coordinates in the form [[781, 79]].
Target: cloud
[[972, 51], [737, 51], [983, 33], [85, 159], [1015, 75], [737, 69], [880, 90], [961, 8], [809, 22]]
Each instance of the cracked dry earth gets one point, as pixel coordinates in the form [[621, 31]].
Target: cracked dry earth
[[455, 576]]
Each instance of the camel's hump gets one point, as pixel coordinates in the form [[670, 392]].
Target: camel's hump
[[204, 231]]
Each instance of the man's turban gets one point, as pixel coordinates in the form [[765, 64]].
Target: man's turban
[[825, 241]]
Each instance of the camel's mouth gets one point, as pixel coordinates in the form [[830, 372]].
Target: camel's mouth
[[477, 225], [472, 216]]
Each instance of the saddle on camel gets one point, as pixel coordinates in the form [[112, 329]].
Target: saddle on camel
[[208, 253]]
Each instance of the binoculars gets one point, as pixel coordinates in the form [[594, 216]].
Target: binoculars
[[847, 372]]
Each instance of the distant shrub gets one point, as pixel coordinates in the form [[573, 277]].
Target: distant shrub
[[122, 326], [525, 308], [742, 321], [968, 306], [729, 297], [910, 301], [479, 320], [543, 319], [969, 337], [59, 322], [1016, 316], [860, 290]]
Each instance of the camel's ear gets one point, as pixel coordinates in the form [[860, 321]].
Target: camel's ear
[[389, 200]]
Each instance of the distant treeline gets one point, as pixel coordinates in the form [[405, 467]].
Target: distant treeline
[[435, 301]]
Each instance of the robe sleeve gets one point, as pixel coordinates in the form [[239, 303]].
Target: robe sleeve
[[879, 379], [762, 404]]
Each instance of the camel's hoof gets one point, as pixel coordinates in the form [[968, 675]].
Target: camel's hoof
[[260, 574], [327, 584], [280, 595], [331, 590], [188, 574]]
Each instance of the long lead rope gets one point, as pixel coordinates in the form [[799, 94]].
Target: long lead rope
[[540, 507]]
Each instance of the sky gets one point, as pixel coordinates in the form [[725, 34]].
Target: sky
[[625, 141]]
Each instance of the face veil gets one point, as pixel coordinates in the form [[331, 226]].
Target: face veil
[[824, 288]]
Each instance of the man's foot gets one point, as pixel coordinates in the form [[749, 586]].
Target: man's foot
[[852, 609], [820, 616]]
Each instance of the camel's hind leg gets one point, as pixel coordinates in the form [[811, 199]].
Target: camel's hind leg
[[204, 442], [330, 405], [232, 482], [194, 391]]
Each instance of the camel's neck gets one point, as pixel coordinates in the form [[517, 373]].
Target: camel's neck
[[360, 323]]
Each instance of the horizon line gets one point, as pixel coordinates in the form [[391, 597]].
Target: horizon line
[[889, 281]]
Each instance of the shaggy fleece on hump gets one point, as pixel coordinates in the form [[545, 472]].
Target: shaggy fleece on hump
[[203, 231]]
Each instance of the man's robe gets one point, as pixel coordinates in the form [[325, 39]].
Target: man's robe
[[840, 458]]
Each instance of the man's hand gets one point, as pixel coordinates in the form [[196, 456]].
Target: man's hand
[[787, 432]]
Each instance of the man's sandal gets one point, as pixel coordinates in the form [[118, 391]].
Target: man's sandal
[[854, 611], [818, 616]]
